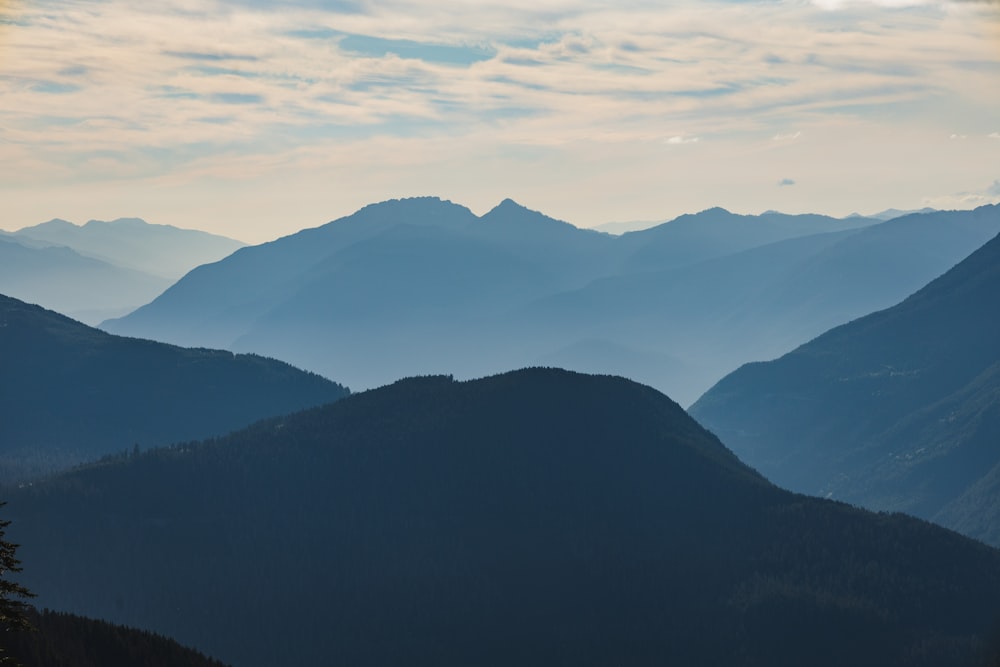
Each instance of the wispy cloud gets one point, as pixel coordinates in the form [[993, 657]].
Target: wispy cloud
[[191, 92]]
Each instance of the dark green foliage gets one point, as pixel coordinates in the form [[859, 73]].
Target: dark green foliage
[[65, 640], [534, 518], [13, 595], [899, 410], [72, 393]]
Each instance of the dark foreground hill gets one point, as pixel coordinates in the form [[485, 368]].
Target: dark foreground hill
[[539, 517], [65, 640], [899, 410], [71, 393]]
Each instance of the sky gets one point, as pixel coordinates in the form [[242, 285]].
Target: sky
[[255, 119]]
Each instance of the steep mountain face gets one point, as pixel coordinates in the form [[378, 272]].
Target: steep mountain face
[[535, 518], [423, 286], [898, 410], [71, 393], [758, 304], [716, 232], [161, 250], [64, 280], [60, 640]]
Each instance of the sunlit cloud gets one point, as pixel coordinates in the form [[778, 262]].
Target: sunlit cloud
[[179, 94]]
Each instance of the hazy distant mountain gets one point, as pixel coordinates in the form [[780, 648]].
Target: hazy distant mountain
[[535, 518], [622, 227], [716, 232], [711, 317], [891, 213], [61, 640], [71, 393], [422, 286], [60, 278], [898, 410], [162, 250]]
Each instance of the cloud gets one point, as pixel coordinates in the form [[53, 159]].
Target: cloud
[[183, 87], [680, 140], [994, 135], [958, 136], [967, 199], [785, 182]]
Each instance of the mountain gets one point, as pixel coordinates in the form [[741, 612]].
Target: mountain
[[71, 393], [899, 410], [716, 232], [420, 286], [890, 213], [64, 280], [61, 640], [538, 517], [688, 326], [622, 227], [161, 250]]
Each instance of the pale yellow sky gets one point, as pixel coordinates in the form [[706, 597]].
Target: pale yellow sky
[[255, 119]]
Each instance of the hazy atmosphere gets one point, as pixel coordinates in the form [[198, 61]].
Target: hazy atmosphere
[[255, 119]]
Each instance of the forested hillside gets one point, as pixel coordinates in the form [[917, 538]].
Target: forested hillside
[[71, 393], [538, 517], [65, 640]]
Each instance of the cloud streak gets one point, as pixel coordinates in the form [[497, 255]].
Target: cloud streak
[[229, 90]]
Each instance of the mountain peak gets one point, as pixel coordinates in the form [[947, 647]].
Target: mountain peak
[[509, 212]]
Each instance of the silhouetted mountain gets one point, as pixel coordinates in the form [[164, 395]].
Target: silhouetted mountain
[[72, 393], [890, 213], [161, 250], [422, 286], [65, 640], [716, 232], [62, 279], [534, 518], [758, 304], [898, 410]]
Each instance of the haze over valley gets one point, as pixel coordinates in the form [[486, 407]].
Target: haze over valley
[[471, 333]]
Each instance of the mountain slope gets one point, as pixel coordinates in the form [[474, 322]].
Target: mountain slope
[[62, 279], [61, 640], [897, 410], [422, 286], [71, 393], [760, 303], [534, 518], [161, 250]]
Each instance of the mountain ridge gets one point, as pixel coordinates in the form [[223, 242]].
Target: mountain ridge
[[911, 398], [72, 392], [587, 516]]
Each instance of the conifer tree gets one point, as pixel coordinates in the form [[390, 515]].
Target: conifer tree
[[13, 596]]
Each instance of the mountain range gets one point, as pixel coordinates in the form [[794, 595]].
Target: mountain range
[[898, 410], [161, 250], [423, 286], [101, 269], [537, 517], [72, 393]]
